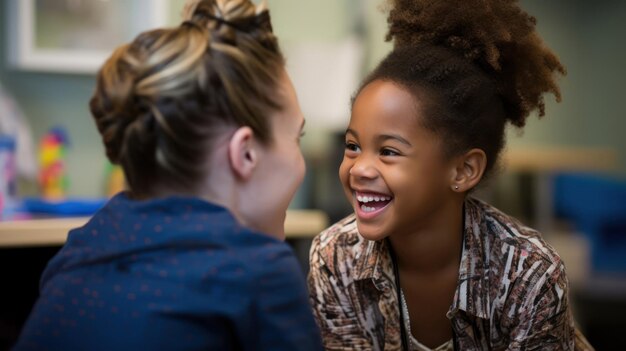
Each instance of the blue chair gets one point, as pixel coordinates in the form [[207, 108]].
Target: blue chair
[[596, 205]]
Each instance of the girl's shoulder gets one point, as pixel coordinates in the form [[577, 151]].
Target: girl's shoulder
[[511, 249], [507, 232], [341, 233], [341, 244]]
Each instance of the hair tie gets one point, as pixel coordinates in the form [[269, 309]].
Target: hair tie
[[223, 21]]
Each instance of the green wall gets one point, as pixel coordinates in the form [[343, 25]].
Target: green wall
[[588, 36]]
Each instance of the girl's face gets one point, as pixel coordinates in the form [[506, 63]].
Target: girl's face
[[281, 167], [393, 171]]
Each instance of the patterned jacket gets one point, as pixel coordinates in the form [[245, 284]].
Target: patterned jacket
[[512, 291]]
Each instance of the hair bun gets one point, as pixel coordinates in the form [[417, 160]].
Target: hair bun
[[497, 35], [474, 28]]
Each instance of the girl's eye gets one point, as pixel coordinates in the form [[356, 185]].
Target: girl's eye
[[350, 146], [388, 152]]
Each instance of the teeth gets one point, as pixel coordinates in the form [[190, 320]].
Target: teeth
[[367, 209], [366, 199]]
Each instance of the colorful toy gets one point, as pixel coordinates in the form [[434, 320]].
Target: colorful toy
[[53, 179]]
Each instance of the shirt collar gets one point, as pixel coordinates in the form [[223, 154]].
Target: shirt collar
[[375, 264], [472, 292]]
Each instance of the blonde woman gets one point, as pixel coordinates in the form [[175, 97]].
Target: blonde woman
[[205, 123]]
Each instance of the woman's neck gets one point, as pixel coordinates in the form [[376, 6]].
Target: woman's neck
[[433, 247]]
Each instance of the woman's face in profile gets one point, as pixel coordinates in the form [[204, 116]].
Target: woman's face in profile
[[281, 167]]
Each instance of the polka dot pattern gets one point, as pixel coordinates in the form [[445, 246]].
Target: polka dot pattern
[[170, 274]]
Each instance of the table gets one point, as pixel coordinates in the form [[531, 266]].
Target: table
[[53, 231]]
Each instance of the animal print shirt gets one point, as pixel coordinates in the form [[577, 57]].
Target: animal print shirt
[[512, 291]]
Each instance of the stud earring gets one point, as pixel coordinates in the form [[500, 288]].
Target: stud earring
[[456, 187]]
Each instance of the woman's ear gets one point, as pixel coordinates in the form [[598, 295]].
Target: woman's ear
[[242, 153], [469, 170]]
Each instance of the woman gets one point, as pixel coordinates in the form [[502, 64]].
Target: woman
[[205, 123], [421, 264]]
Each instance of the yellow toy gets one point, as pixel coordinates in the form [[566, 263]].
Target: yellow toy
[[53, 180]]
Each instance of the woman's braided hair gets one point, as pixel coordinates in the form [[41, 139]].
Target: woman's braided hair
[[477, 63], [161, 99]]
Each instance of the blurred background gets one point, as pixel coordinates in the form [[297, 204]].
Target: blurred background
[[565, 174]]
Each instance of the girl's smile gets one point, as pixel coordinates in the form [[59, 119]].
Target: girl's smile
[[369, 205]]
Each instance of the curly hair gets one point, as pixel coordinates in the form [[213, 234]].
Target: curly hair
[[161, 100], [480, 63]]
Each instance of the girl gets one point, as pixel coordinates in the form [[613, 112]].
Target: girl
[[421, 265], [206, 125]]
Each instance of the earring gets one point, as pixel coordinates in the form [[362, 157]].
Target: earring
[[456, 187]]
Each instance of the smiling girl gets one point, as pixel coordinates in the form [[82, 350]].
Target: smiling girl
[[421, 264]]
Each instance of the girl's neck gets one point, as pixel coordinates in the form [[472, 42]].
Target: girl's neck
[[434, 247]]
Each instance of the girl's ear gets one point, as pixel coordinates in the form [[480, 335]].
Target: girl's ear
[[469, 170], [242, 154]]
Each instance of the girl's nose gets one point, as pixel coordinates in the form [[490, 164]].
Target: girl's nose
[[363, 168]]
